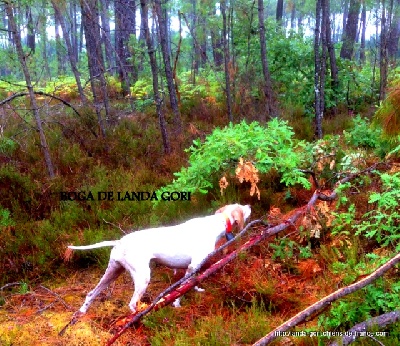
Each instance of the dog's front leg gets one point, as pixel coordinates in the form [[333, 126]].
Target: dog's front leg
[[190, 269], [141, 278]]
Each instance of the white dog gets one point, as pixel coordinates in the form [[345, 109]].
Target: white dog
[[183, 246]]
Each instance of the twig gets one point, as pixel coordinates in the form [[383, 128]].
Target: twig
[[45, 308], [117, 226], [62, 301], [10, 285]]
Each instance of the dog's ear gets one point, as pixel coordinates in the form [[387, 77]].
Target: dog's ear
[[220, 210], [247, 211], [238, 216]]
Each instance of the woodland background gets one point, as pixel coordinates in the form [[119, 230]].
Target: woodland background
[[259, 102]]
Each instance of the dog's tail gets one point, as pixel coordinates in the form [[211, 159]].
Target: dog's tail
[[94, 246]]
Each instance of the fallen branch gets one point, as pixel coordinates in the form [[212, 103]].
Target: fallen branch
[[360, 329], [62, 301], [301, 316]]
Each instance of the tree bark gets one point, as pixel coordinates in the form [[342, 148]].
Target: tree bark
[[226, 61], [394, 35], [373, 323], [30, 37], [279, 13], [22, 59], [268, 93], [216, 44], [125, 26], [350, 30], [319, 79], [331, 51], [70, 50], [90, 20], [106, 33], [154, 71], [167, 67], [363, 31], [383, 62]]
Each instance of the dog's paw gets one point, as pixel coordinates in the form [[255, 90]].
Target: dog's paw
[[176, 303], [198, 289]]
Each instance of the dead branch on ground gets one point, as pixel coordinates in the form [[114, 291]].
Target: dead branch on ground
[[303, 315], [362, 328]]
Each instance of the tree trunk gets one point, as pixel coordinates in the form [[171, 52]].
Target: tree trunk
[[363, 31], [226, 61], [394, 35], [71, 54], [73, 30], [59, 48], [350, 30], [216, 43], [125, 25], [154, 71], [167, 67], [331, 51], [106, 33], [279, 13], [383, 63], [22, 59], [30, 36], [42, 26], [319, 79], [268, 93], [90, 20]]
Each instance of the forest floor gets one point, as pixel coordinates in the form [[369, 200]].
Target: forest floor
[[37, 316], [251, 295]]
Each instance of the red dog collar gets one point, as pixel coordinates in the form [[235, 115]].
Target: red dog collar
[[228, 223]]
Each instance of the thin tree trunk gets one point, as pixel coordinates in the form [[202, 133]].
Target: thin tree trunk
[[331, 52], [226, 61], [167, 67], [350, 30], [363, 31], [70, 50], [216, 43], [106, 33], [268, 93], [319, 92], [394, 35], [249, 36], [154, 71], [90, 20], [74, 30], [383, 63], [30, 37], [279, 13], [59, 48], [34, 106], [125, 25], [44, 39]]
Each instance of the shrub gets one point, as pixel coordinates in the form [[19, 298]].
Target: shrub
[[266, 148]]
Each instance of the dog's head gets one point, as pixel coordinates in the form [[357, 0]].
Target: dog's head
[[237, 212]]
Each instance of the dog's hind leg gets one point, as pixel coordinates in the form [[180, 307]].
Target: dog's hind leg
[[114, 270]]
